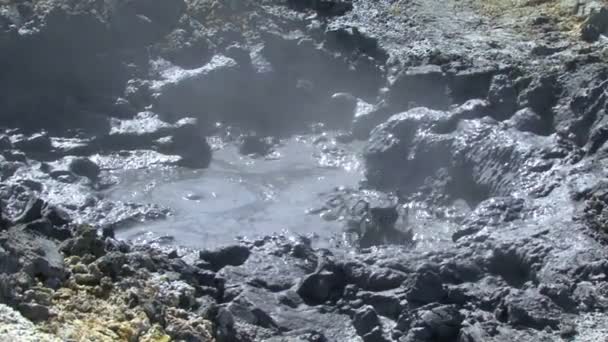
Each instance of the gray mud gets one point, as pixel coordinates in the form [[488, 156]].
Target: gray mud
[[240, 196]]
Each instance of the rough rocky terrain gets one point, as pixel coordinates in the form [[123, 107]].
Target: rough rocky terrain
[[482, 215]]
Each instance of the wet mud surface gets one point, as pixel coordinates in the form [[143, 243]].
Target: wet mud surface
[[241, 196]]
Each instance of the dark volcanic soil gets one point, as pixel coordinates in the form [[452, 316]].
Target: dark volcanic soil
[[303, 170]]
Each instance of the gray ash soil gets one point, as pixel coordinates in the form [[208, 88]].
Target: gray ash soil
[[196, 170]]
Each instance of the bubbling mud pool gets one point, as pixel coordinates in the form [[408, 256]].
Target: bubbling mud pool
[[241, 197]]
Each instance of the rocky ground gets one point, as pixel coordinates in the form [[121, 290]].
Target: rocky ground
[[486, 116]]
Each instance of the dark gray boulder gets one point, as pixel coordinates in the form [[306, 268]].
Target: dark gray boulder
[[526, 120], [199, 92], [467, 83], [372, 279], [34, 312], [187, 46], [434, 323], [390, 143], [424, 86], [541, 95], [84, 167], [529, 308], [502, 96], [387, 303], [46, 228], [85, 241], [491, 213], [56, 215], [425, 286], [365, 320], [320, 286], [595, 25], [231, 255], [33, 254]]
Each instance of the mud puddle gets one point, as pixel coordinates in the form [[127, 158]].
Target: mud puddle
[[241, 197]]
